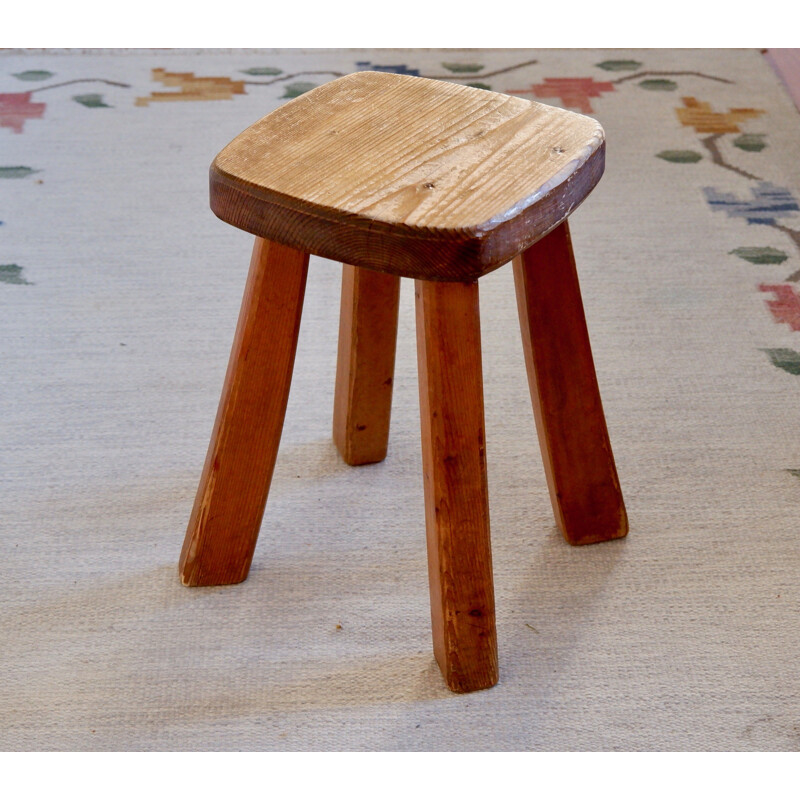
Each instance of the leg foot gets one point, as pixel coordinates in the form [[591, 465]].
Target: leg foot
[[456, 493], [581, 474], [230, 500]]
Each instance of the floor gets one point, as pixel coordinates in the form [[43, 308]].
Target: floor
[[786, 63]]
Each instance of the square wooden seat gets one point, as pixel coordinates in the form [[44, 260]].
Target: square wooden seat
[[398, 176], [416, 177]]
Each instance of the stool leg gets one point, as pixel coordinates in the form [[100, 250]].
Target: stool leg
[[456, 493], [365, 365], [573, 437], [230, 500]]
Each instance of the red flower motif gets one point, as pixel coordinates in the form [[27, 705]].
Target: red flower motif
[[16, 108], [786, 305], [573, 92]]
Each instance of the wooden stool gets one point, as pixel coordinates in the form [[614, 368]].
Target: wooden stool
[[399, 176]]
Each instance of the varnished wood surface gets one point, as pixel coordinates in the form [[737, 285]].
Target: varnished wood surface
[[573, 436], [365, 364], [229, 505], [455, 484], [408, 175]]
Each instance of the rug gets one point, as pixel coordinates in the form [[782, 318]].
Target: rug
[[120, 292]]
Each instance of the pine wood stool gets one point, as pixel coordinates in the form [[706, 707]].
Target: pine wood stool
[[398, 176]]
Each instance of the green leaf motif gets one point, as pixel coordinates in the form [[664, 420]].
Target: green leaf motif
[[455, 67], [16, 172], [619, 66], [480, 86], [261, 71], [680, 156], [296, 89], [33, 75], [658, 85], [760, 255], [795, 472], [91, 100], [784, 358], [12, 273], [752, 142]]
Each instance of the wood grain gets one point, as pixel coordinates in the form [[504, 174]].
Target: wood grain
[[456, 491], [407, 175], [230, 500], [365, 364], [581, 474]]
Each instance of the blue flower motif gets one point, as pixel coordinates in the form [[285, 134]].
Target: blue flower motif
[[400, 69], [769, 203]]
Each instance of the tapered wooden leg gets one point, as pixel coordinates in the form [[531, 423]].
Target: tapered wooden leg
[[230, 501], [365, 366], [573, 437], [456, 493]]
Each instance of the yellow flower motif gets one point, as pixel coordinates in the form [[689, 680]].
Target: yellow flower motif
[[192, 88], [699, 116]]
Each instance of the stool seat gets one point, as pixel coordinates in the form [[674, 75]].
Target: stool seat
[[406, 175]]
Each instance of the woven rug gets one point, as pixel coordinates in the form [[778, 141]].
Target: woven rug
[[120, 292]]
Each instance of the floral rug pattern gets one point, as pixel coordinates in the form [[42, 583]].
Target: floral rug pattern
[[760, 202]]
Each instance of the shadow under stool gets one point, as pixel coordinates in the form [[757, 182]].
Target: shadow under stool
[[406, 177]]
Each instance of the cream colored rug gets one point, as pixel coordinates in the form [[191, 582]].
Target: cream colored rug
[[120, 292]]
